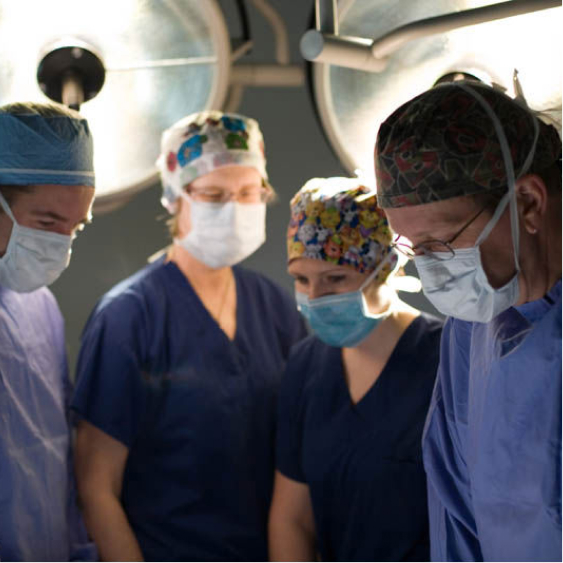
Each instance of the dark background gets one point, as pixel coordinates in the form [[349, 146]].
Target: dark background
[[118, 243]]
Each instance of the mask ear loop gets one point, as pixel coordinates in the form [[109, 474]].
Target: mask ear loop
[[369, 279], [510, 196], [7, 209], [373, 275]]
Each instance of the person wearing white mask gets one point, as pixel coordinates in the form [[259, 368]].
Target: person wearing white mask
[[180, 364], [46, 192], [473, 178], [350, 485]]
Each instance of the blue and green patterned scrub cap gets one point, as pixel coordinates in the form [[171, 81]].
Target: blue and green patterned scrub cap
[[202, 142]]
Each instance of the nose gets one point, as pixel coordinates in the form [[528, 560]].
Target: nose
[[316, 290]]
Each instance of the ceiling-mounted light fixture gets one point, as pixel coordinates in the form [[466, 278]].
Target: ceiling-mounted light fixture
[[416, 45], [133, 67]]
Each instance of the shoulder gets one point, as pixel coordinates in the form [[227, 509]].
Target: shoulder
[[308, 360], [40, 303], [132, 303], [310, 350], [132, 292], [428, 327]]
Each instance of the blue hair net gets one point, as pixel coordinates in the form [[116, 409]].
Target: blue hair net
[[45, 150]]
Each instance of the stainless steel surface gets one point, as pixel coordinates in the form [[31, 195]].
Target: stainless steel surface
[[348, 52], [326, 16], [384, 46], [164, 59], [353, 103]]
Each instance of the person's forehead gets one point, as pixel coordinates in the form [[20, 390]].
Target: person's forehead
[[229, 176], [429, 220], [312, 266], [60, 199]]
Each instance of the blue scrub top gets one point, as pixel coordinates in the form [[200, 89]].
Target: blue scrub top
[[492, 442], [39, 518], [362, 463], [196, 410]]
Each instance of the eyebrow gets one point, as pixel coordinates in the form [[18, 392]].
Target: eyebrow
[[57, 217], [219, 188]]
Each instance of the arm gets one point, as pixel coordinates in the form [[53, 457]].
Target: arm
[[291, 525], [99, 464]]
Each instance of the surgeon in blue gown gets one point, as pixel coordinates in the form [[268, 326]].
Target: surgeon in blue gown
[[180, 365], [350, 484], [46, 191], [473, 178]]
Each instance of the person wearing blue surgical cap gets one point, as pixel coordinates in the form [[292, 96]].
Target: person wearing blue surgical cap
[[46, 191]]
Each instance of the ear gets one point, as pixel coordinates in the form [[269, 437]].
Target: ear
[[532, 198]]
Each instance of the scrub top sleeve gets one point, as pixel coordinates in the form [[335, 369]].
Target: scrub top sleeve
[[453, 533], [110, 389], [290, 419]]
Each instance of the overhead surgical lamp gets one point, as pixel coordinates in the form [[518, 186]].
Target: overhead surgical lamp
[[370, 56], [132, 68]]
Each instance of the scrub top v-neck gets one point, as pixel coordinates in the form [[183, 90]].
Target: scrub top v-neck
[[195, 409], [362, 462]]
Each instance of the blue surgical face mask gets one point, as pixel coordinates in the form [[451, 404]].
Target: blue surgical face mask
[[458, 287], [342, 320]]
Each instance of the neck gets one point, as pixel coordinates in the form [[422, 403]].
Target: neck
[[199, 274], [541, 260], [386, 334]]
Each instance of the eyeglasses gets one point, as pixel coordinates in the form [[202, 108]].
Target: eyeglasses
[[439, 249], [247, 195]]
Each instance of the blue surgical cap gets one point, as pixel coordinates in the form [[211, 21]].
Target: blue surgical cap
[[45, 150]]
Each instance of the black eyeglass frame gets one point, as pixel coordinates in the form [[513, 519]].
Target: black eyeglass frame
[[411, 251]]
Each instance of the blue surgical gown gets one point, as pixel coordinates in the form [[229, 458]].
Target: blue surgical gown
[[363, 462], [195, 410], [39, 519], [492, 442]]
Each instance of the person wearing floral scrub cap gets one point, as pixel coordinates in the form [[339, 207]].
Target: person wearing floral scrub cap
[[180, 365], [473, 178], [349, 480]]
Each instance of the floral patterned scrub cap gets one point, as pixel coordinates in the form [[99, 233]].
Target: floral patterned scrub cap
[[203, 142], [443, 144], [338, 220]]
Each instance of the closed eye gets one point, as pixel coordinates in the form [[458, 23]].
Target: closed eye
[[301, 280], [46, 224], [336, 278]]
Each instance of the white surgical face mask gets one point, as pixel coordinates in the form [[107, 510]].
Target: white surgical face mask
[[223, 234], [458, 287], [33, 258]]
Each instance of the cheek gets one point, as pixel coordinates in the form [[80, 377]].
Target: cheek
[[184, 220], [300, 287], [498, 263]]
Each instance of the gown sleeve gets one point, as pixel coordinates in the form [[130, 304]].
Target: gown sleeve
[[453, 534]]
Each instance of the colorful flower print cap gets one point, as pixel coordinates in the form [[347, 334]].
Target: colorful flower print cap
[[203, 142], [443, 144], [338, 220]]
